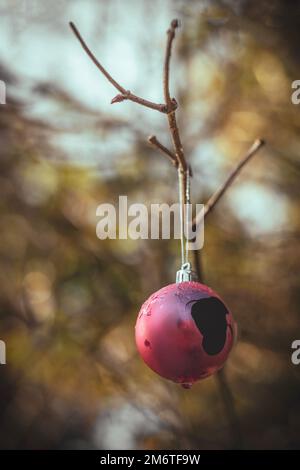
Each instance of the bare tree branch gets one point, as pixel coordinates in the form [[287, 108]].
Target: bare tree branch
[[124, 94], [152, 139], [258, 143]]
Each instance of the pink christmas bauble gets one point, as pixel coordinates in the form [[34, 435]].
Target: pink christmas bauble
[[185, 332]]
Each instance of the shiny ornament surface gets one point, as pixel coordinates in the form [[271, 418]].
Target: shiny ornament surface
[[185, 332]]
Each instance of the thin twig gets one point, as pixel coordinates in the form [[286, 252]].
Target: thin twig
[[164, 150], [171, 37], [166, 88], [124, 94], [221, 379], [209, 206]]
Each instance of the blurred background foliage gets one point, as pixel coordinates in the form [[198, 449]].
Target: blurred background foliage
[[68, 300]]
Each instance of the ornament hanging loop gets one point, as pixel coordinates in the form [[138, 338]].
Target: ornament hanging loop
[[185, 273]]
